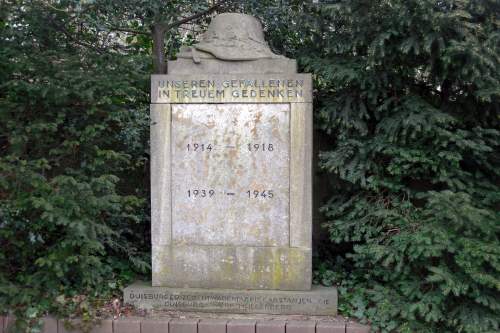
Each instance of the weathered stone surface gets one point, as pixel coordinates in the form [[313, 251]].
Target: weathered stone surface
[[8, 324], [352, 327], [235, 267], [49, 325], [318, 301], [301, 149], [161, 175], [270, 326], [216, 66], [77, 326], [330, 327], [127, 325], [212, 326], [154, 326], [230, 174], [241, 326], [69, 326], [296, 326], [103, 326], [183, 326]]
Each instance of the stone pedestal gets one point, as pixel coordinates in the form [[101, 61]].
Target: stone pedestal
[[231, 180]]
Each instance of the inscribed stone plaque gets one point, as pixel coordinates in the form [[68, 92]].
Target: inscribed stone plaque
[[318, 301], [230, 174]]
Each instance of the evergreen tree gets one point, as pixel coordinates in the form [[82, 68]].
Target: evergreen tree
[[73, 135], [409, 92]]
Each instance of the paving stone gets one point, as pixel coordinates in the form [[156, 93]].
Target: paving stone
[[154, 326], [103, 326], [49, 325], [127, 326], [183, 326], [212, 326], [271, 326], [330, 327], [9, 321], [357, 328], [301, 326], [241, 326], [73, 326], [68, 326]]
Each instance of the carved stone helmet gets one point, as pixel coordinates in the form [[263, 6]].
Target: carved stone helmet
[[231, 36]]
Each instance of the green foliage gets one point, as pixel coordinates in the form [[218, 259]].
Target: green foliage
[[73, 120], [409, 91]]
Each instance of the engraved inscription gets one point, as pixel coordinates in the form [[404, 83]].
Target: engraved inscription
[[230, 174], [224, 88], [248, 88], [238, 303]]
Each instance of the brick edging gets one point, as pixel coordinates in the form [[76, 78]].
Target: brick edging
[[176, 325]]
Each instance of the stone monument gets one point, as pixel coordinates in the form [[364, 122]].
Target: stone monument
[[231, 170]]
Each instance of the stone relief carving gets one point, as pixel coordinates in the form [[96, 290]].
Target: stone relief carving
[[231, 37]]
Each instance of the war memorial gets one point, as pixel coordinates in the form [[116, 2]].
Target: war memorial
[[231, 180]]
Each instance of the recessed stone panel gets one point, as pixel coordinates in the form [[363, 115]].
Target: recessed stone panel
[[230, 174]]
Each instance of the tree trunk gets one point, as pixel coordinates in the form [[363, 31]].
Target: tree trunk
[[159, 63]]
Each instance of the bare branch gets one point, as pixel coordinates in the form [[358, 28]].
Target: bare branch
[[196, 16], [132, 31], [45, 3]]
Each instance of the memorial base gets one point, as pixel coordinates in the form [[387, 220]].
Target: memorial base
[[319, 301]]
